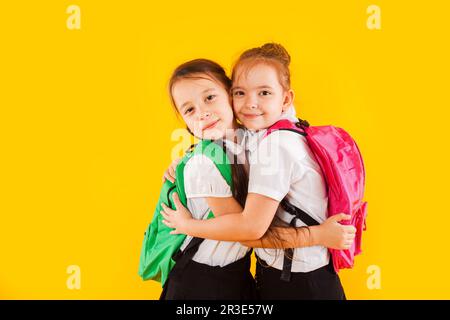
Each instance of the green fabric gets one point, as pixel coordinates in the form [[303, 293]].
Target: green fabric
[[159, 245]]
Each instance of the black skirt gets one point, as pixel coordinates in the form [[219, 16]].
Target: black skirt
[[320, 284], [197, 281]]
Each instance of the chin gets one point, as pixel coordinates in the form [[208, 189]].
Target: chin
[[253, 126], [213, 135]]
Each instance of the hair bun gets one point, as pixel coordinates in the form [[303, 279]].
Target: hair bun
[[277, 51]]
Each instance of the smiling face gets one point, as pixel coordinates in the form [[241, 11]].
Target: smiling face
[[204, 105], [258, 97]]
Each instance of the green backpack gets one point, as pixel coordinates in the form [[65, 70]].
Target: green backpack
[[159, 246]]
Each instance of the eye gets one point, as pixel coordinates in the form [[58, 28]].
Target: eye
[[238, 93], [189, 110], [210, 98], [265, 93]]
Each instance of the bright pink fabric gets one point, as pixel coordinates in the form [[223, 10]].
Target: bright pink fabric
[[343, 168]]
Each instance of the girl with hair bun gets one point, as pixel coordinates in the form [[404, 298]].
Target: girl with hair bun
[[281, 166]]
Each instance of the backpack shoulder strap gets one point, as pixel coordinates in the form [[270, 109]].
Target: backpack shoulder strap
[[218, 156], [211, 150], [179, 176], [220, 159], [287, 125], [298, 214], [299, 127]]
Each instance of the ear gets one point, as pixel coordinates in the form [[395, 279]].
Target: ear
[[288, 99]]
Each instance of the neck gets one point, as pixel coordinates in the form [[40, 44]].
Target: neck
[[231, 134]]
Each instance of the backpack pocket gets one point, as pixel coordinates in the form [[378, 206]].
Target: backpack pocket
[[360, 224]]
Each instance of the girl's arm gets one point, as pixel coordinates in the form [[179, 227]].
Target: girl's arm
[[219, 205], [283, 238], [278, 237], [330, 234], [223, 205], [250, 226]]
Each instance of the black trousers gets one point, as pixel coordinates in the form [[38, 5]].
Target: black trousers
[[320, 284], [196, 281]]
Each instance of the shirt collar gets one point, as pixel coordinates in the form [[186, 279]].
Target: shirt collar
[[252, 138], [239, 146]]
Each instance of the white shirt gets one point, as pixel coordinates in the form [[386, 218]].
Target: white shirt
[[202, 179], [283, 165]]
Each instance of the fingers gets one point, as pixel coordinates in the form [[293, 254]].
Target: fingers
[[165, 215], [349, 239], [167, 176], [347, 243], [349, 229], [167, 218], [345, 216], [166, 209], [341, 216], [176, 201], [172, 173], [167, 223], [349, 234], [170, 225]]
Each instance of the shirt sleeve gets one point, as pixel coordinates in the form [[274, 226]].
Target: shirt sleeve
[[275, 166], [203, 179]]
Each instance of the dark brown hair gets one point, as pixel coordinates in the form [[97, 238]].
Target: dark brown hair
[[207, 69], [198, 69]]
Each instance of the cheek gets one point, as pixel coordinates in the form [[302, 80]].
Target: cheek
[[273, 105], [223, 108], [227, 115], [190, 123], [237, 105]]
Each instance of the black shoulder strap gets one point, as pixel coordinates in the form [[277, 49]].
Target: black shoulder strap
[[301, 215], [183, 257], [298, 213]]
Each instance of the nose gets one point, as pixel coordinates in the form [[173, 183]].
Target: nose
[[251, 102], [205, 115]]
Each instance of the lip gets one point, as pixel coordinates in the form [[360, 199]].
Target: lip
[[251, 115], [210, 126]]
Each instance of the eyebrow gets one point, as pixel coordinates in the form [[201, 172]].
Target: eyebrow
[[184, 105], [264, 87], [259, 87], [206, 90]]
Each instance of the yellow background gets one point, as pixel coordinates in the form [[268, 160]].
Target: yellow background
[[86, 122]]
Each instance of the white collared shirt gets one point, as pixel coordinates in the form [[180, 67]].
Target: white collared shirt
[[282, 164], [202, 179]]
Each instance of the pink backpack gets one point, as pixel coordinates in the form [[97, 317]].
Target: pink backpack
[[343, 169]]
